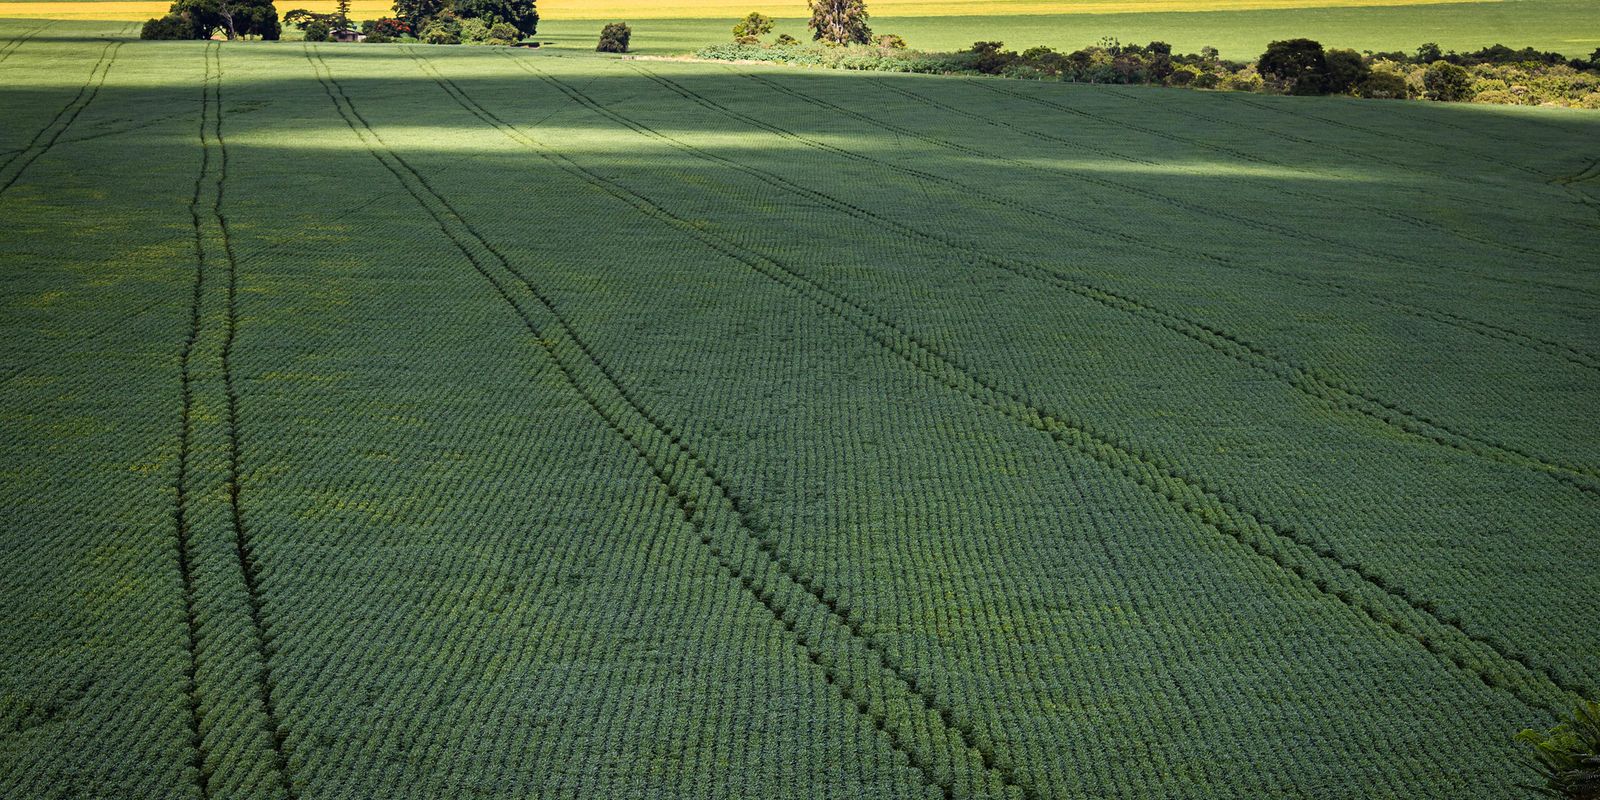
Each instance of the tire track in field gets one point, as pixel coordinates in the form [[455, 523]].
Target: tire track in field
[[1399, 216], [1479, 327], [226, 696], [13, 45], [1291, 550], [1300, 377], [198, 755], [1379, 255], [958, 765], [1570, 184], [109, 131], [244, 548], [46, 138]]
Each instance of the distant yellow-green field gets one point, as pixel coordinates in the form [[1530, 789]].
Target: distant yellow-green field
[[1238, 28], [715, 9]]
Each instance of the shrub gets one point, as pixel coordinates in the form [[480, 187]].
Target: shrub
[[317, 31], [474, 31], [504, 33], [890, 41], [1567, 756], [378, 38], [441, 31], [785, 40], [1384, 84], [1045, 62], [988, 58], [1245, 80], [1446, 82], [170, 26], [1206, 80], [614, 38]]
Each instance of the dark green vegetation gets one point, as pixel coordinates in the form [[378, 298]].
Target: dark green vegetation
[[417, 422], [1567, 756], [201, 19], [614, 38]]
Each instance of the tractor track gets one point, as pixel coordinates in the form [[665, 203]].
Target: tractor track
[[1285, 546], [700, 493], [196, 495], [47, 136], [1300, 377], [1491, 330], [1295, 552]]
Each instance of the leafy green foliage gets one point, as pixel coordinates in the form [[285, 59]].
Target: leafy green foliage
[[520, 14], [170, 26], [1446, 82], [614, 38], [317, 31], [1567, 757]]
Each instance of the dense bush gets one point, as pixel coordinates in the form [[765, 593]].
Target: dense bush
[[1567, 757], [317, 31], [442, 31], [520, 14], [170, 26], [1384, 84], [1446, 82], [200, 19], [504, 33], [452, 21], [614, 38], [474, 31]]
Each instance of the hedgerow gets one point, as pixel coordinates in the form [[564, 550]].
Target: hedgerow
[[1487, 76]]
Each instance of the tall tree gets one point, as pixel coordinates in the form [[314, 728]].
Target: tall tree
[[840, 21], [1299, 64], [341, 14]]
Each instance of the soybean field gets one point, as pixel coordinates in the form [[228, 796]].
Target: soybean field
[[391, 421]]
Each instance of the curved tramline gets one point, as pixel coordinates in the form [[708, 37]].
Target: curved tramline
[[1493, 331], [1302, 378], [12, 168], [702, 497], [1282, 547]]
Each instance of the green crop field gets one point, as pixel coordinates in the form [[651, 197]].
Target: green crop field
[[409, 422]]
